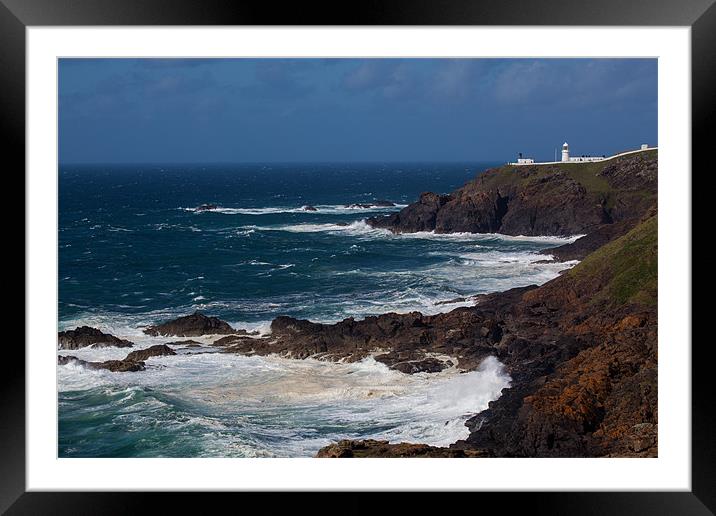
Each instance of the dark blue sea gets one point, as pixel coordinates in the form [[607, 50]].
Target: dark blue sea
[[133, 251]]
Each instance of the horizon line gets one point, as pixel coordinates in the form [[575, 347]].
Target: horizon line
[[303, 162]]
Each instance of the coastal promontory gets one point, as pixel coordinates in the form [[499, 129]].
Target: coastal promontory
[[552, 199]]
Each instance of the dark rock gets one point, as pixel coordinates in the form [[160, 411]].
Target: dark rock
[[193, 325], [403, 338], [189, 343], [84, 336], [452, 301], [373, 448], [419, 216], [230, 340], [412, 361], [309, 208], [374, 204], [383, 203], [67, 359], [154, 351], [206, 207], [428, 365], [117, 366]]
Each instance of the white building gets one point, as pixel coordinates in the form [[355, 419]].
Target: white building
[[566, 158], [524, 161]]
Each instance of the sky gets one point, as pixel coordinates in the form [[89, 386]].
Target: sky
[[349, 110]]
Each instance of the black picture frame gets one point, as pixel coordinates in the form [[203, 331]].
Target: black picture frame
[[700, 15]]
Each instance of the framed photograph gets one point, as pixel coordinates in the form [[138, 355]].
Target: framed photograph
[[413, 249]]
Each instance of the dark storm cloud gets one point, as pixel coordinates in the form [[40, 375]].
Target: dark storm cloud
[[351, 109]]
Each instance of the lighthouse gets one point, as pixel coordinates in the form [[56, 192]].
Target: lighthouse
[[565, 152]]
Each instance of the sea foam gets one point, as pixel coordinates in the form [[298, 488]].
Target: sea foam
[[316, 402]]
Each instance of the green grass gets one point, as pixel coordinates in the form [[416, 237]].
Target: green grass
[[628, 266], [585, 174]]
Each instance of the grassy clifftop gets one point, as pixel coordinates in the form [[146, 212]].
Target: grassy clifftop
[[589, 175]]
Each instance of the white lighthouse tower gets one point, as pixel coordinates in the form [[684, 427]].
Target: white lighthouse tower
[[565, 152]]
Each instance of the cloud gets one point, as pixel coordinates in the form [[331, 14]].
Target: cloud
[[139, 93], [573, 83], [175, 62], [523, 81], [177, 84], [278, 79], [453, 105], [393, 79], [366, 76], [457, 79]]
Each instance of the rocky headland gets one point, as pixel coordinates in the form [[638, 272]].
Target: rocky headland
[[581, 349], [537, 200]]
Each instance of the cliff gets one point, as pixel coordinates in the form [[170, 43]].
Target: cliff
[[596, 395], [582, 352], [559, 199]]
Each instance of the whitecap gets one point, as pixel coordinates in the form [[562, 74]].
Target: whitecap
[[362, 228], [325, 209]]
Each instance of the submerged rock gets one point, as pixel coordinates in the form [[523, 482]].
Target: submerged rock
[[367, 205], [309, 208], [116, 366], [84, 336], [189, 343], [206, 207], [193, 325], [134, 361]]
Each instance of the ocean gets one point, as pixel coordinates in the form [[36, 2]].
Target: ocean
[[134, 251]]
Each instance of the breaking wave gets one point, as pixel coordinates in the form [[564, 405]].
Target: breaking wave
[[362, 228], [319, 209], [267, 406]]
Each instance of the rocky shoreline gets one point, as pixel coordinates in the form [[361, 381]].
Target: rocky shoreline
[[581, 349]]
